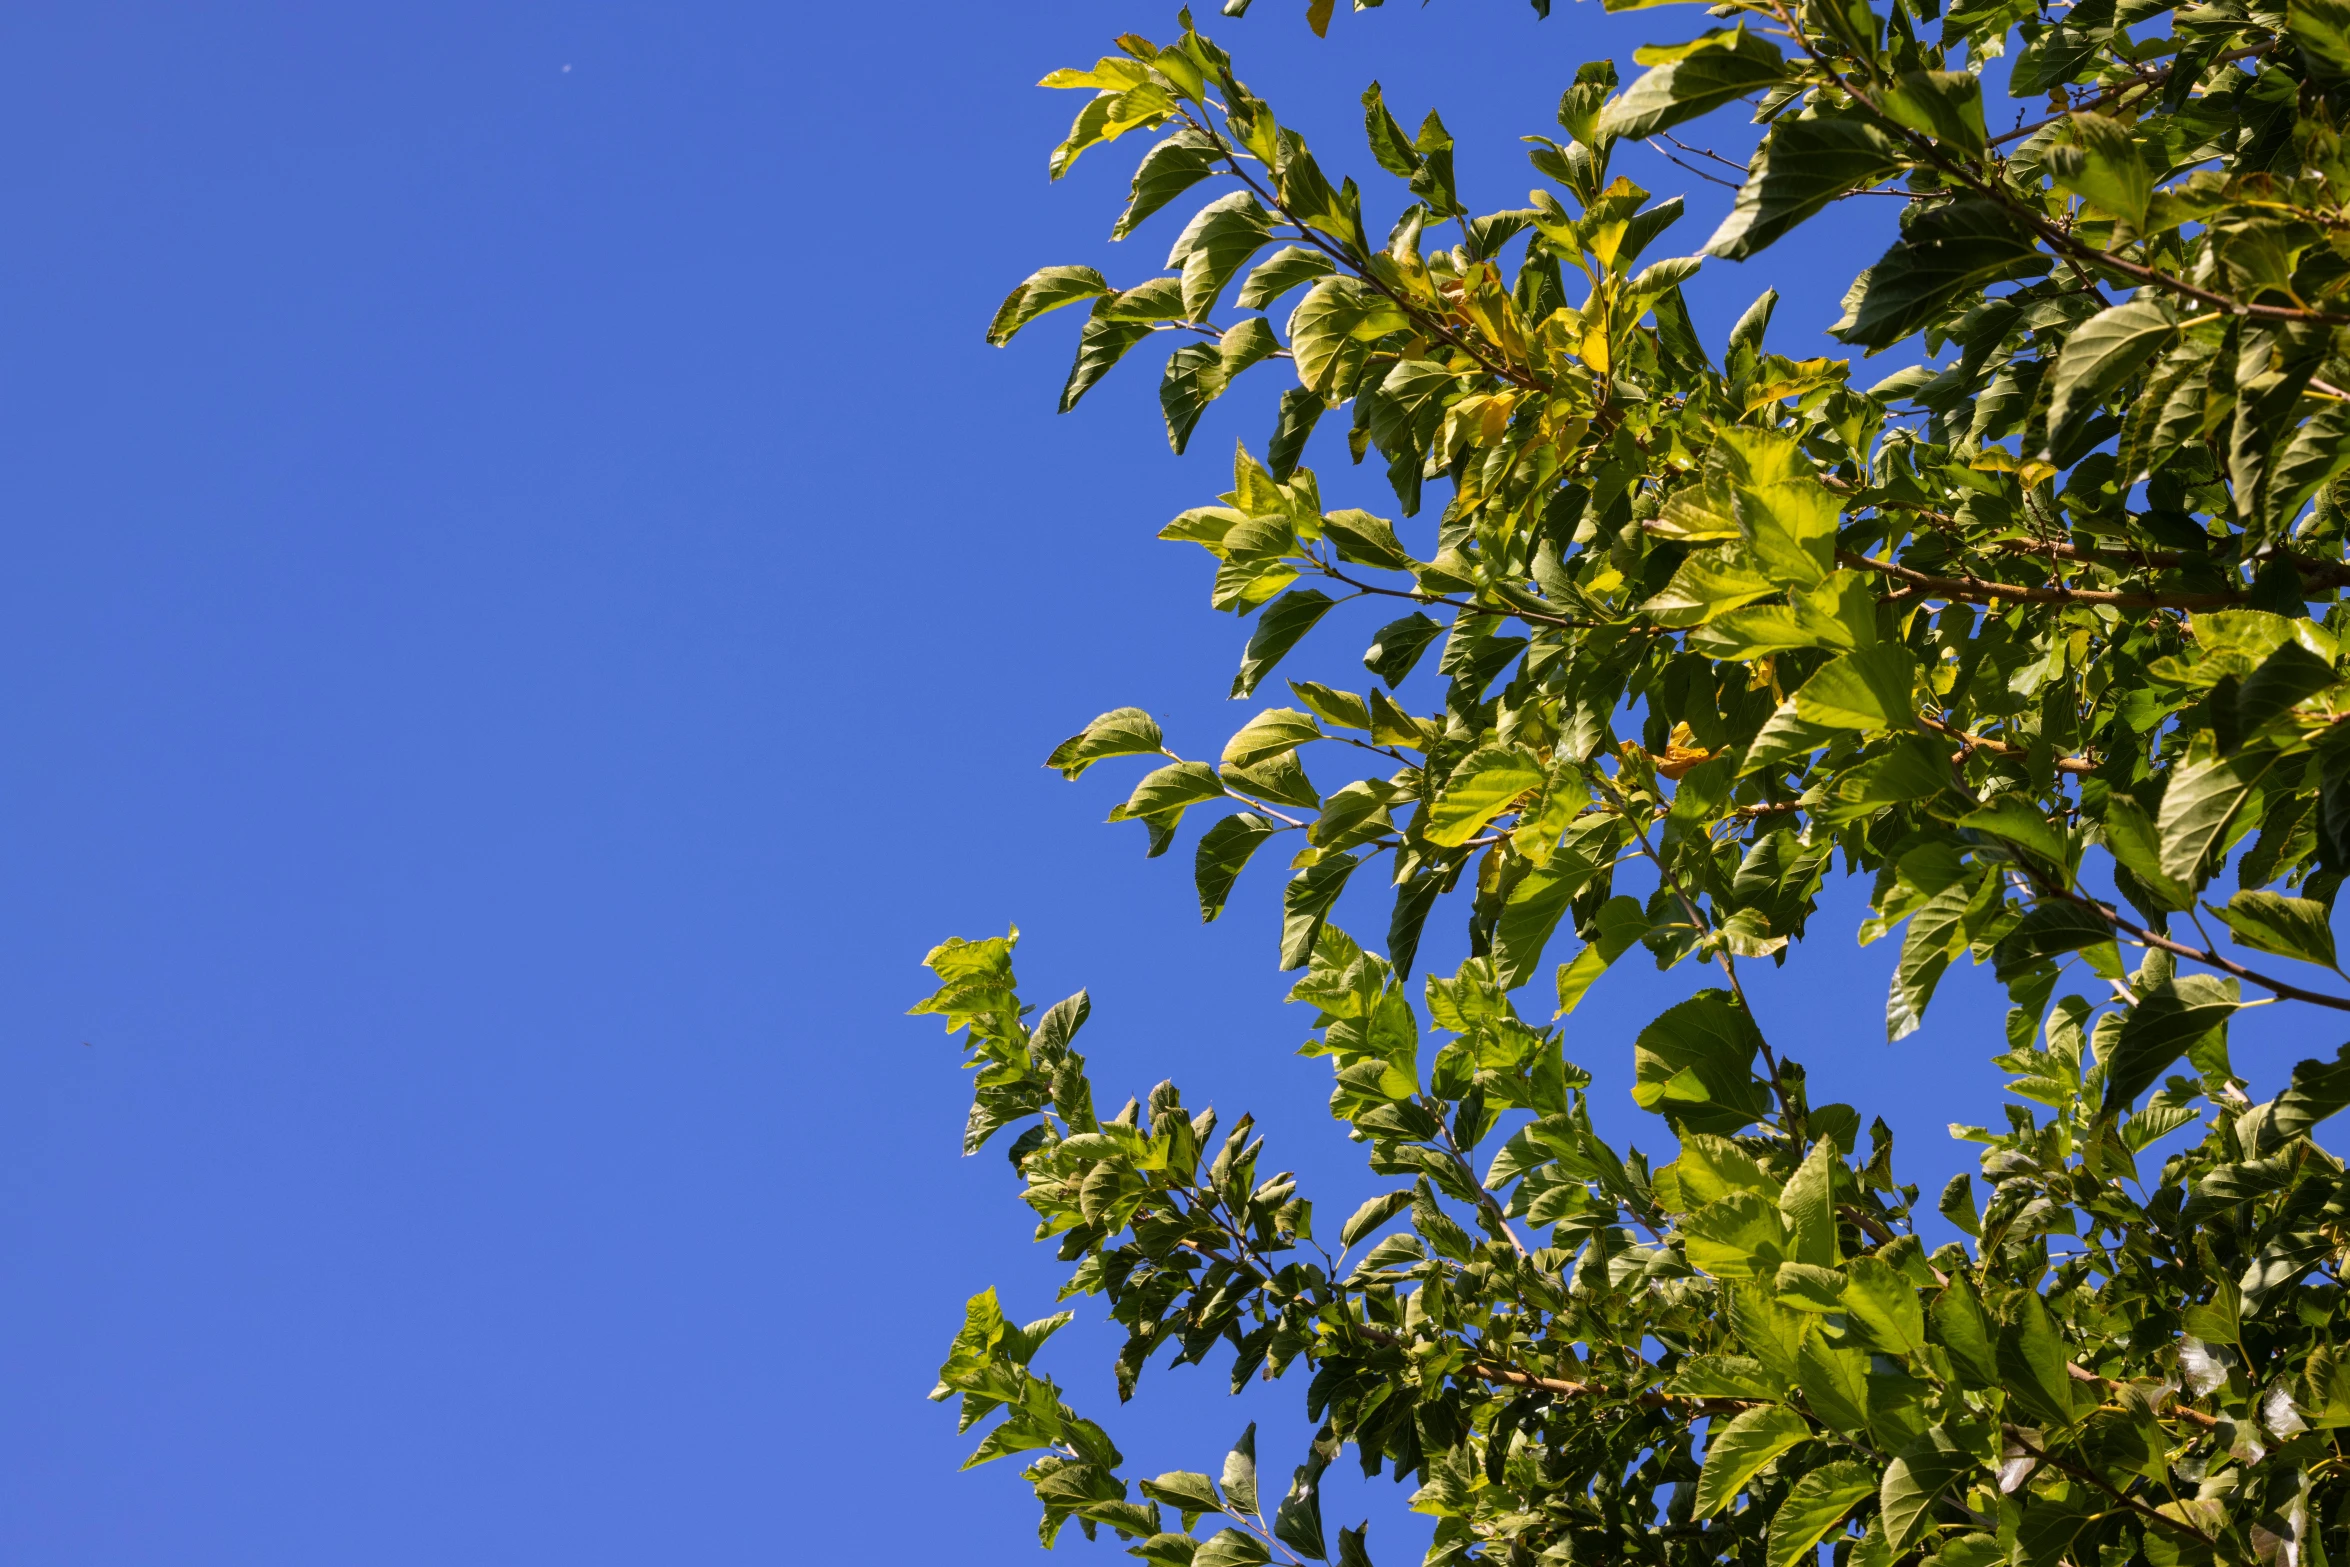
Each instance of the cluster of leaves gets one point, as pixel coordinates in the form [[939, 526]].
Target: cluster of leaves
[[2100, 1375], [2070, 586]]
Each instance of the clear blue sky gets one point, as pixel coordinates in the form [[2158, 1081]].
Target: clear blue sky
[[528, 607]]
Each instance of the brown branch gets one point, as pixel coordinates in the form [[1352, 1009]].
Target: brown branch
[[2065, 246], [1974, 742], [2318, 573], [2205, 955], [1691, 167], [2105, 1385], [2016, 1435], [2322, 573], [1438, 600], [1485, 1200], [1511, 1376], [1434, 326], [1982, 590], [2152, 77]]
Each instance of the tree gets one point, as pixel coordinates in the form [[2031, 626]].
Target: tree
[[2055, 614]]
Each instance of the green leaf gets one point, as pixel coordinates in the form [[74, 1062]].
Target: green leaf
[[1711, 1167], [1736, 1451], [1707, 584], [1724, 1376], [1868, 689], [2032, 1358], [2322, 29], [1171, 788], [1808, 1204], [1694, 1065], [2050, 1525], [1100, 346], [1966, 1330], [1950, 253], [1809, 1287], [1107, 117], [1339, 709], [1189, 1493], [2158, 1030], [1481, 788], [1957, 1204], [2050, 929], [1787, 516], [2219, 1320], [1279, 627], [1306, 902], [2103, 167], [1389, 145], [1815, 1505], [1740, 1236], [1280, 272], [1301, 410], [2198, 806], [1936, 935], [1123, 731], [1834, 1382], [2285, 679], [1297, 1522], [2014, 820], [1768, 628], [1279, 780], [2289, 927], [1231, 1548], [1373, 1213], [2318, 451], [1532, 913], [1398, 645], [2319, 1090], [1772, 1333], [2135, 842], [1194, 378], [1801, 166], [1946, 105], [1699, 77], [1785, 735], [1882, 1307], [1915, 1480], [1335, 312], [1366, 540], [1166, 172], [1274, 732], [1621, 922], [1240, 1471], [1048, 289], [1216, 244], [1224, 850], [2105, 351]]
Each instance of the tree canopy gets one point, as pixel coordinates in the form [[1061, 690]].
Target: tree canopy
[[2055, 613]]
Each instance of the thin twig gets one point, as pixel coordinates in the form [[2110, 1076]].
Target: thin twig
[[2148, 77], [2207, 956], [1974, 742], [2069, 249], [1421, 596], [1433, 325], [1981, 590], [2016, 1435]]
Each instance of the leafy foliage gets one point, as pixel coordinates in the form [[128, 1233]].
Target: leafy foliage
[[2056, 612]]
